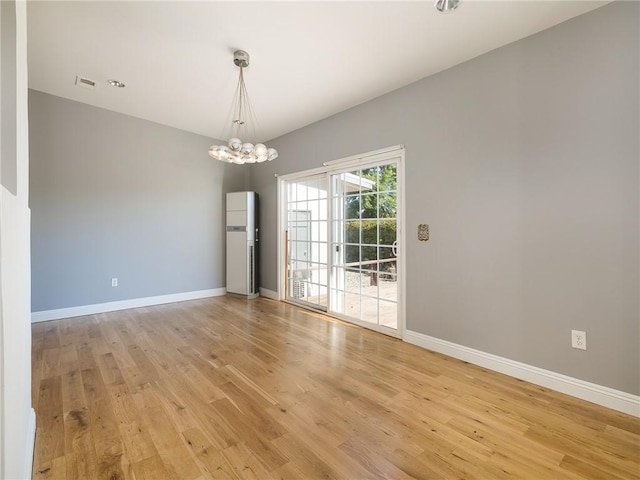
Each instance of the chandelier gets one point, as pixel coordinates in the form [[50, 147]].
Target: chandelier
[[236, 151]]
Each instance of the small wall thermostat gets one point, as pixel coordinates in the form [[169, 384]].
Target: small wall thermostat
[[423, 232]]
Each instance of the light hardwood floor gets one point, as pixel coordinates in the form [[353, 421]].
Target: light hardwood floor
[[228, 388]]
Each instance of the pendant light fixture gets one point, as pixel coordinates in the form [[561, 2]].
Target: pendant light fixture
[[243, 120]]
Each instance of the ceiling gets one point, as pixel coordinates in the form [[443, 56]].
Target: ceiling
[[309, 60]]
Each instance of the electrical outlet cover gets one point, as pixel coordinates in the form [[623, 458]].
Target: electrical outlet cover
[[579, 339]]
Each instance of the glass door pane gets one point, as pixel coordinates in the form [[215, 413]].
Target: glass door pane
[[307, 241], [364, 245]]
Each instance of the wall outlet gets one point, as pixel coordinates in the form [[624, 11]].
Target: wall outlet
[[114, 282], [579, 339]]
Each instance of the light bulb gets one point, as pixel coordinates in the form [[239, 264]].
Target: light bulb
[[272, 154], [247, 148], [260, 149], [223, 152], [213, 152], [235, 144]]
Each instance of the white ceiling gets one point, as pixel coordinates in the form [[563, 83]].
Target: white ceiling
[[309, 60]]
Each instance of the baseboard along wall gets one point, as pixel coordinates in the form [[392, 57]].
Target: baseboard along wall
[[59, 313], [265, 292], [591, 392]]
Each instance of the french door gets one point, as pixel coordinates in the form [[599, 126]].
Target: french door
[[341, 240]]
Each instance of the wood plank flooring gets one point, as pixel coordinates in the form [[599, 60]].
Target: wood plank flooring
[[229, 388]]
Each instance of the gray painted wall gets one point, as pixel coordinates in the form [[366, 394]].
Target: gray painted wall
[[8, 131], [116, 196], [525, 163]]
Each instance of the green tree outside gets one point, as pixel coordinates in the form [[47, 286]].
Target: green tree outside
[[371, 218]]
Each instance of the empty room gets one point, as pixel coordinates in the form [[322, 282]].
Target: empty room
[[320, 239]]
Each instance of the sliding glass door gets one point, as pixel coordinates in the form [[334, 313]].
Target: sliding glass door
[[364, 284], [341, 235]]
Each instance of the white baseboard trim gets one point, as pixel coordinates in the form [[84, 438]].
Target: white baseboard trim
[[591, 392], [57, 314], [31, 443], [265, 292]]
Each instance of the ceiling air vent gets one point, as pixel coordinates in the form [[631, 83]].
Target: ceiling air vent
[[85, 83]]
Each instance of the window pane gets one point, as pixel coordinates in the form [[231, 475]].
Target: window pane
[[369, 205], [352, 206], [301, 191], [291, 192], [353, 280], [388, 232], [323, 188], [386, 257], [322, 231], [321, 210], [370, 232], [387, 178], [300, 206], [352, 182], [369, 254], [322, 252], [352, 255], [314, 272], [388, 312], [313, 252], [322, 295], [352, 305], [352, 231], [369, 179], [312, 190], [387, 286], [369, 307], [388, 205]]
